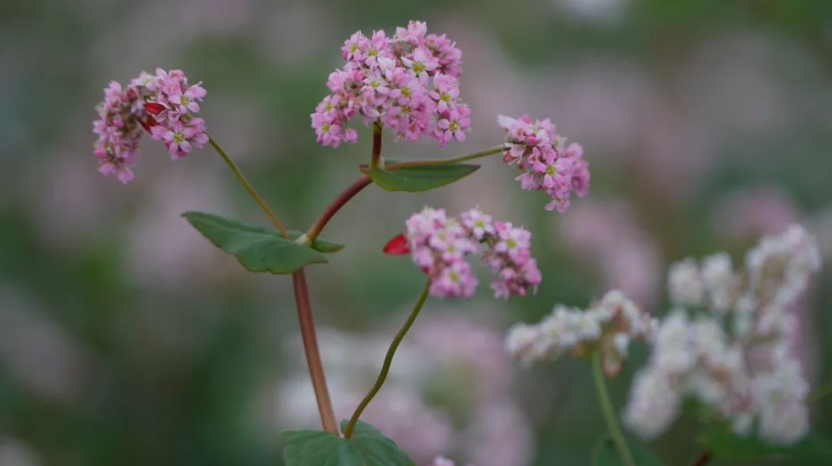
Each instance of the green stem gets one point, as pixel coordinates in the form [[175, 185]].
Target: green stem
[[822, 391], [463, 158], [253, 192], [388, 360], [609, 412]]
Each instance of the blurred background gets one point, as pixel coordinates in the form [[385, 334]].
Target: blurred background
[[125, 338]]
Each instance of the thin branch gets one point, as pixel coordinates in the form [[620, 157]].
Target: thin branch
[[246, 184], [609, 412], [388, 360], [335, 206]]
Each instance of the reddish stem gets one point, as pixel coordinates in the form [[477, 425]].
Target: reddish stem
[[703, 458], [375, 160], [336, 205], [313, 355]]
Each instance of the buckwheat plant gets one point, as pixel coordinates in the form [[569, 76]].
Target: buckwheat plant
[[727, 348], [406, 84]]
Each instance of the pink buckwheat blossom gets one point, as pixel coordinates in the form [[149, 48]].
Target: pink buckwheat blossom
[[163, 104], [407, 82], [439, 245], [181, 136], [547, 163]]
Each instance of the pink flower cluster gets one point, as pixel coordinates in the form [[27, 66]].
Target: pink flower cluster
[[548, 164], [439, 244], [407, 82], [163, 104]]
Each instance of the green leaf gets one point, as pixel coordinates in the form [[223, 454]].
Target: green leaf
[[416, 179], [813, 449], [257, 249], [367, 447], [605, 453]]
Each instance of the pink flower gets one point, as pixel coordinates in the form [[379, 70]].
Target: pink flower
[[181, 136], [548, 166], [162, 104], [187, 101], [453, 126], [455, 280], [439, 246], [421, 62], [406, 83], [480, 224]]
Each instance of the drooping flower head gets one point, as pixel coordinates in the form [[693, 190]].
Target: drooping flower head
[[439, 245], [547, 162], [407, 82], [163, 104], [728, 343]]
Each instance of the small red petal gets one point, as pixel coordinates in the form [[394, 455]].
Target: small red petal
[[154, 107], [398, 246]]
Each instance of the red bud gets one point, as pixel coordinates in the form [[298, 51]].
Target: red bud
[[398, 246], [154, 108]]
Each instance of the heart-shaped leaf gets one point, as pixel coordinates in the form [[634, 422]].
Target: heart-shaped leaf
[[605, 454], [812, 449], [423, 178], [367, 447], [257, 249]]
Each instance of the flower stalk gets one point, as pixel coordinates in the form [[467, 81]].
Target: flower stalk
[[246, 184], [436, 162], [388, 360], [609, 412]]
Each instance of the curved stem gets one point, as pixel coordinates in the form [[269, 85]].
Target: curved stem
[[375, 160], [336, 205], [463, 158], [313, 355], [609, 412], [388, 360], [253, 192], [702, 458]]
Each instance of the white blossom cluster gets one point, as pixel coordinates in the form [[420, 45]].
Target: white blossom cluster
[[727, 343], [608, 325]]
